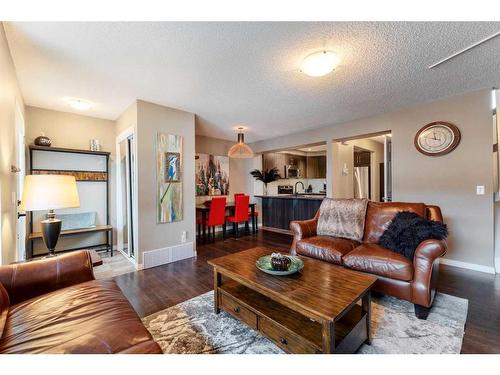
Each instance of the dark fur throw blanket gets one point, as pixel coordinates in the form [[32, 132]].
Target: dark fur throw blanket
[[407, 230]]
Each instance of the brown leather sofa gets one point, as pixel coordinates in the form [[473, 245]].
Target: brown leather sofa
[[55, 305], [414, 281]]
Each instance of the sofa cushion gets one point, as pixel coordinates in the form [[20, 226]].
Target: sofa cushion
[[379, 215], [375, 259], [344, 218], [329, 249], [91, 317]]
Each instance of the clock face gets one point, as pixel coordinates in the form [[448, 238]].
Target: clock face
[[437, 138]]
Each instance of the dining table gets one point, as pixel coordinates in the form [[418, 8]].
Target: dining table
[[204, 208]]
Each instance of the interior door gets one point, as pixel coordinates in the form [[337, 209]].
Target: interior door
[[20, 169]]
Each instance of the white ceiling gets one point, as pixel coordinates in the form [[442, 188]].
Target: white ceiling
[[247, 73]]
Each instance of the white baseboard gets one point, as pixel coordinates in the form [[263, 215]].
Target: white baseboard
[[469, 266], [157, 257]]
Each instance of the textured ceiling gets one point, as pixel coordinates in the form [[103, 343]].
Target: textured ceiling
[[247, 73]]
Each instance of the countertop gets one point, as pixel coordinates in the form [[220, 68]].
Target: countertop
[[293, 196]]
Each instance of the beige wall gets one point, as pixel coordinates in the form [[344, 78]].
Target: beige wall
[[152, 118], [10, 97], [238, 170], [68, 129], [128, 119], [448, 181]]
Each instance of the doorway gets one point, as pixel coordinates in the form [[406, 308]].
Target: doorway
[[20, 170], [126, 194], [362, 167]]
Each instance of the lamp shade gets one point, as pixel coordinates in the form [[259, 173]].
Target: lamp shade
[[240, 150], [49, 192]]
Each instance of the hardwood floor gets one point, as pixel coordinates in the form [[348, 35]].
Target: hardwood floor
[[157, 288]]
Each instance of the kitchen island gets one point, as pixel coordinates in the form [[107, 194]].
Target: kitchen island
[[279, 210]]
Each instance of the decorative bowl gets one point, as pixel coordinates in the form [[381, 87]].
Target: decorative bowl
[[264, 264], [43, 141]]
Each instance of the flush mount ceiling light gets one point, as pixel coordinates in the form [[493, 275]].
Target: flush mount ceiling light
[[79, 104], [240, 150], [319, 63]]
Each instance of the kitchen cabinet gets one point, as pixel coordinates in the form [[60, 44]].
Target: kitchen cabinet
[[316, 166], [279, 211]]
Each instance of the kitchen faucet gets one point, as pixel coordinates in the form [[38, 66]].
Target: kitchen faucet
[[295, 187]]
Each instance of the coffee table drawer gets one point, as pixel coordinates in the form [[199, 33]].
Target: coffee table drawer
[[286, 339], [233, 307]]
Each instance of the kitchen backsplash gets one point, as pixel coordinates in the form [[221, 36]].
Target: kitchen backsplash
[[316, 184]]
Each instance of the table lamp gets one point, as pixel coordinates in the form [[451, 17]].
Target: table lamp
[[49, 192]]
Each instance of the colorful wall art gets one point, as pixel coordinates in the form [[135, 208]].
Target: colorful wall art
[[212, 175], [169, 177]]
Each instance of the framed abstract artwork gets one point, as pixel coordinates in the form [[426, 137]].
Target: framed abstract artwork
[[212, 174], [169, 177]]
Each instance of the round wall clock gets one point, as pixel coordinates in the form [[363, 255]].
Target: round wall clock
[[437, 138]]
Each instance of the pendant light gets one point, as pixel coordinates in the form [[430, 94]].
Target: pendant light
[[240, 150]]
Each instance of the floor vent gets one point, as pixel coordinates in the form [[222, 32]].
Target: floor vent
[[166, 255]]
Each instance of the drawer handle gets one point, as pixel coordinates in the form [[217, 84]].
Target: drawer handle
[[236, 309], [283, 341]]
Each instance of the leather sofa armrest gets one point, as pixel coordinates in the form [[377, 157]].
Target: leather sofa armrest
[[303, 229], [31, 279], [426, 270]]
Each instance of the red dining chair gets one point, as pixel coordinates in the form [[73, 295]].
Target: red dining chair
[[240, 212], [254, 215], [216, 216]]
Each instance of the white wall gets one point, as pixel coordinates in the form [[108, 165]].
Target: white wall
[[151, 119], [10, 96], [448, 181]]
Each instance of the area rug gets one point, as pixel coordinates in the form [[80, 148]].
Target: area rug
[[192, 328]]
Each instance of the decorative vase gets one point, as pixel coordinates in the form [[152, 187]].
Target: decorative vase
[[280, 262], [264, 190], [42, 140]]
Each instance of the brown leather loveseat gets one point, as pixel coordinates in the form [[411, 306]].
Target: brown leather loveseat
[[55, 305], [414, 281]]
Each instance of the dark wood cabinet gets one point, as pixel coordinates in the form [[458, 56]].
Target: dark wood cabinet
[[309, 167], [316, 166], [278, 212]]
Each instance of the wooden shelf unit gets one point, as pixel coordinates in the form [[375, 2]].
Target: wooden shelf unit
[[80, 175]]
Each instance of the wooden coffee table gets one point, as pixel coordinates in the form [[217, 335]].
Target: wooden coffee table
[[322, 309]]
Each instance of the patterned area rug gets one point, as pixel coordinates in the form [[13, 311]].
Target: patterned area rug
[[192, 328]]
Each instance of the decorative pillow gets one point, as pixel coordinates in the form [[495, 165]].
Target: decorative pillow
[[407, 230], [343, 218]]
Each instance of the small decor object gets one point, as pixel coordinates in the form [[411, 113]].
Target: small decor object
[[43, 140], [407, 230], [437, 138], [240, 150], [266, 176], [95, 145], [212, 175], [280, 262], [169, 177], [265, 265], [49, 192]]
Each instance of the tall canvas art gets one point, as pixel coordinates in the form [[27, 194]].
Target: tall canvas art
[[212, 174], [169, 177]]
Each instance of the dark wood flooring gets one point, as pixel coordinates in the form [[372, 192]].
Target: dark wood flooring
[[157, 288]]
